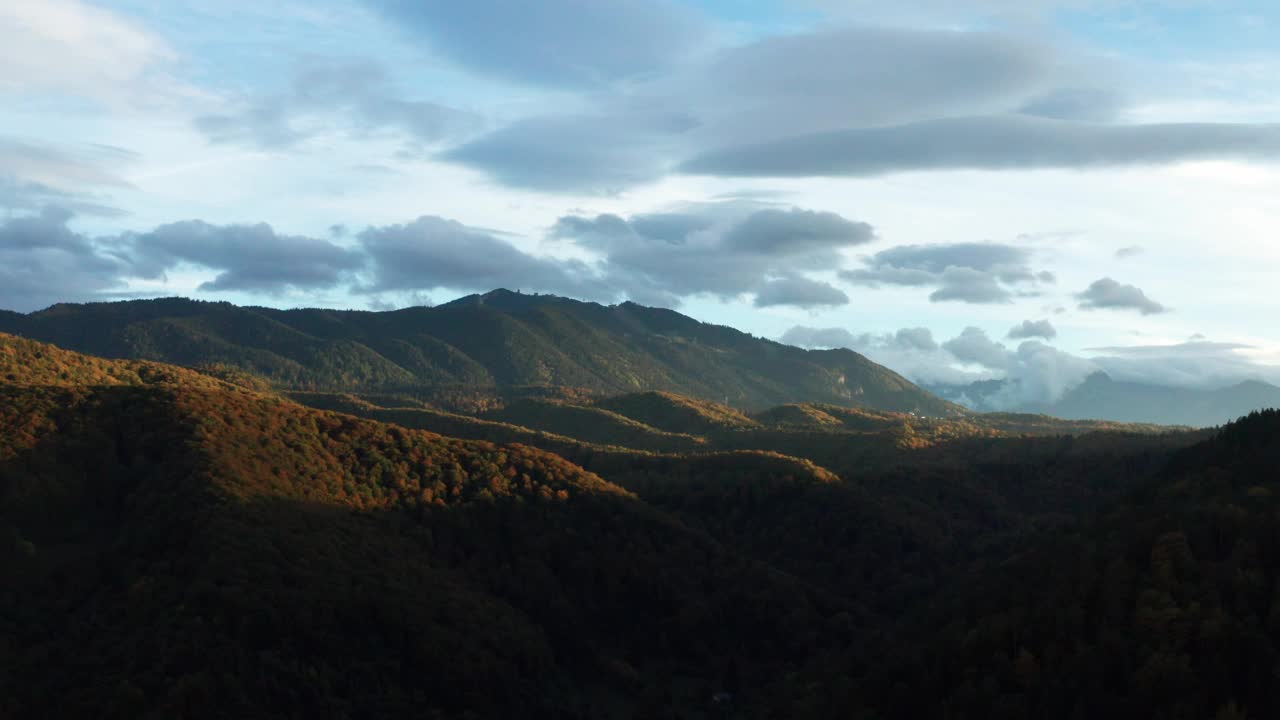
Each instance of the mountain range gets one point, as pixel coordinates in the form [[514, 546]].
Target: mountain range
[[192, 542], [499, 339], [261, 530], [1100, 396]]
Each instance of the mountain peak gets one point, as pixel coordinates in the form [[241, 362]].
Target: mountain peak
[[509, 300]]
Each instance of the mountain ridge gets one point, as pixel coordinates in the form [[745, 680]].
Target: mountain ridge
[[496, 339], [1101, 396]]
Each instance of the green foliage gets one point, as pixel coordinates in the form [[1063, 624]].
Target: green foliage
[[482, 342]]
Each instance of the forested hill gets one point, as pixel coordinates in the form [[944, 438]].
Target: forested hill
[[173, 545], [188, 543], [497, 339]]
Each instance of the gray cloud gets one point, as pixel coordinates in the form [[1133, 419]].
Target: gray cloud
[[34, 176], [598, 153], [1109, 294], [1036, 373], [432, 252], [763, 90], [1082, 104], [1129, 251], [59, 167], [248, 257], [970, 286], [357, 97], [43, 261], [777, 231], [910, 351], [25, 196], [1196, 348], [973, 346], [799, 292], [988, 143], [1033, 329], [722, 249], [916, 338], [834, 79], [554, 42], [964, 272]]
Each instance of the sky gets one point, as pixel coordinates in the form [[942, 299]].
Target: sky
[[959, 189]]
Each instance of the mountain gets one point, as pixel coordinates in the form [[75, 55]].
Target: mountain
[[1101, 397], [192, 542], [497, 340]]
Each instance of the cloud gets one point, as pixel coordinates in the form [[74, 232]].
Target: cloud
[[811, 337], [722, 249], [799, 292], [1033, 329], [1197, 363], [1008, 142], [1093, 105], [1107, 294], [432, 252], [355, 96], [43, 261], [24, 196], [57, 167], [71, 46], [973, 346], [591, 153], [1129, 251], [1035, 374], [836, 78], [561, 43], [776, 231], [252, 258], [916, 339], [970, 286], [761, 90], [980, 273], [910, 351]]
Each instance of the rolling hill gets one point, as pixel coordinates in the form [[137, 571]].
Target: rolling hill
[[497, 340], [193, 542]]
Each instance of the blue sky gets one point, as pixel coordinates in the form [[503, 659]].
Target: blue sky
[[824, 170]]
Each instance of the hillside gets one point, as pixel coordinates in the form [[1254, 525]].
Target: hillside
[[161, 530], [500, 339], [1165, 606], [176, 542]]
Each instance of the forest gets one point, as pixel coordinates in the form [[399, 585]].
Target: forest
[[208, 540]]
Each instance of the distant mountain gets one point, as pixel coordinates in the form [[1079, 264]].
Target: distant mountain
[[1100, 397], [499, 339]]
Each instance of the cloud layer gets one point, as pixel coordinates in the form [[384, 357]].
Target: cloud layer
[[980, 273], [726, 250]]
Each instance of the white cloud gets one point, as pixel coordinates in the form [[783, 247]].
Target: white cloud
[[73, 47]]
